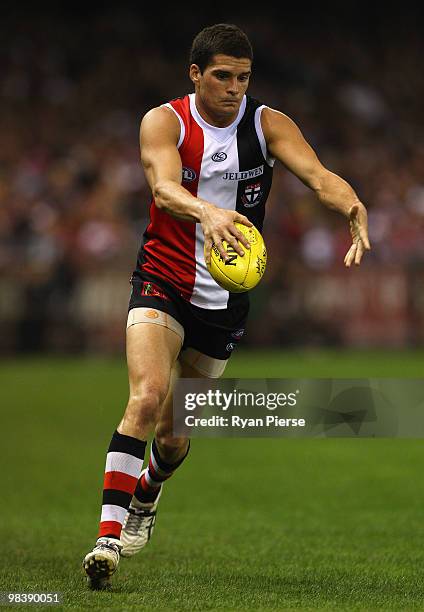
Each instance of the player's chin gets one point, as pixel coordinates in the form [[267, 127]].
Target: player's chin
[[230, 106]]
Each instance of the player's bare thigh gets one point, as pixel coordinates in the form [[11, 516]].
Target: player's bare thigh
[[152, 351]]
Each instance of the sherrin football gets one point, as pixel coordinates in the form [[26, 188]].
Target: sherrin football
[[239, 274]]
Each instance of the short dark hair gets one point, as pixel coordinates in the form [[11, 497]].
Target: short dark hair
[[224, 38]]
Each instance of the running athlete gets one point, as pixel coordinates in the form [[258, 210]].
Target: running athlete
[[208, 158]]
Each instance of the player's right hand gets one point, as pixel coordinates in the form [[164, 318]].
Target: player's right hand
[[358, 225], [218, 225]]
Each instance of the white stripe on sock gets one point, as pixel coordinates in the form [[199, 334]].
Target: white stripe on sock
[[111, 512], [123, 462], [150, 481], [157, 469]]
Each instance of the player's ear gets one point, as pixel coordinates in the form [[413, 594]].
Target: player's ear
[[195, 73]]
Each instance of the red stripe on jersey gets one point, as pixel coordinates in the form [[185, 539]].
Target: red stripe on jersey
[[112, 528], [169, 250], [120, 481]]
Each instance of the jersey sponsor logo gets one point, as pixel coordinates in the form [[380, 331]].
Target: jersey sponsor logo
[[189, 174], [252, 195], [242, 176], [219, 157]]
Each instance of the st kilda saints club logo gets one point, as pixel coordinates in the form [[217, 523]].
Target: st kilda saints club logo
[[252, 195]]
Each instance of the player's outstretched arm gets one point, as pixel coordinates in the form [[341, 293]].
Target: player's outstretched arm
[[286, 143], [159, 134]]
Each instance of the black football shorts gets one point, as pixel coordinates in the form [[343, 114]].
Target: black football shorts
[[214, 333]]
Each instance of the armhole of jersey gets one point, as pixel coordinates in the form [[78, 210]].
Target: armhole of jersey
[[258, 126], [182, 126]]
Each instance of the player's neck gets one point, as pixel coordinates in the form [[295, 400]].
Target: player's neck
[[212, 118]]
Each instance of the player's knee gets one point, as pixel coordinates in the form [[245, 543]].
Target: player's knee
[[144, 405], [141, 419]]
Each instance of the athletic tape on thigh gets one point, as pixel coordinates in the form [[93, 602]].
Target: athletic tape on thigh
[[208, 366], [142, 314]]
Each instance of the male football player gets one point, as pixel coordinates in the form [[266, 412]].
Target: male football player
[[208, 158]]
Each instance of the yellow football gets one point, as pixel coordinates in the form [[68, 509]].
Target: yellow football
[[239, 274]]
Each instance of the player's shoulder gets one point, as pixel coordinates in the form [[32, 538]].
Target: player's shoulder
[[274, 121], [158, 120], [159, 115], [273, 115], [167, 109]]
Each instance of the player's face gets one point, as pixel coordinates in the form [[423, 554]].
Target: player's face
[[221, 86]]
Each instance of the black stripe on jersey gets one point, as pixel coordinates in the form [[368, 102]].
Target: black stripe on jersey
[[253, 192]]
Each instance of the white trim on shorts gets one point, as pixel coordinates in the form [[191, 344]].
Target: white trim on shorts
[[205, 365]]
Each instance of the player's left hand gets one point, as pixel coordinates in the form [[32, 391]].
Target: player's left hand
[[358, 223]]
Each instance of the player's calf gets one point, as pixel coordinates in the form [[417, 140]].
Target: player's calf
[[171, 450]]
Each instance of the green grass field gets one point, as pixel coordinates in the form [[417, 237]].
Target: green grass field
[[246, 524]]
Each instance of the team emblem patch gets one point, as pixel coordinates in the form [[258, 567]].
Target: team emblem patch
[[189, 174], [252, 195]]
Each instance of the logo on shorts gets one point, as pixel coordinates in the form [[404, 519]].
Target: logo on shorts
[[151, 290], [151, 314], [252, 195], [188, 174], [237, 334], [230, 347], [219, 157]]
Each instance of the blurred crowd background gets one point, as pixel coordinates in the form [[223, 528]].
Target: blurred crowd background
[[74, 200]]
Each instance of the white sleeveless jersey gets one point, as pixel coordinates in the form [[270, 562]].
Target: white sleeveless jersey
[[229, 167]]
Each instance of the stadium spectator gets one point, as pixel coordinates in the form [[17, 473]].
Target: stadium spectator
[[72, 189]]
